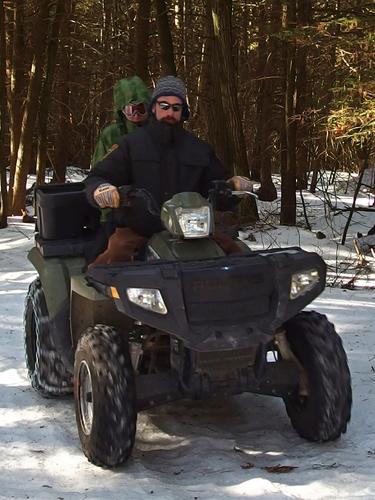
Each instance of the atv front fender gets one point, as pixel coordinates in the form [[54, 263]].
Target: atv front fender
[[89, 308]]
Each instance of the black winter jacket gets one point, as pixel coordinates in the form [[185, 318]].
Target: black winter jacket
[[161, 158]]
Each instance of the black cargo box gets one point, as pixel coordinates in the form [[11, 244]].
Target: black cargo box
[[63, 211]]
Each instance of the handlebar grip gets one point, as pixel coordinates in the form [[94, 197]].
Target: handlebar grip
[[221, 185], [124, 198]]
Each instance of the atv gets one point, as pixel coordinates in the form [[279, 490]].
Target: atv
[[183, 320]]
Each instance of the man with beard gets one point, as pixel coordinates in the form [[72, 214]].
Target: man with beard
[[162, 158]]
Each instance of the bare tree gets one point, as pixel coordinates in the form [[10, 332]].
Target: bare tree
[[46, 95], [212, 104], [4, 154], [24, 155], [165, 38], [17, 57], [289, 124], [222, 22], [142, 38], [265, 115], [64, 127]]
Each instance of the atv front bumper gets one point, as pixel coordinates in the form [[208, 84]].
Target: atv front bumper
[[218, 304]]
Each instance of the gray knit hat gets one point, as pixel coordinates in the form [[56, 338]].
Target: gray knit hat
[[169, 85]]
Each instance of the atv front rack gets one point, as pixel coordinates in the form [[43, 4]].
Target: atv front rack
[[223, 303]]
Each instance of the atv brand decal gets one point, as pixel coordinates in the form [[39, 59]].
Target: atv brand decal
[[234, 282]]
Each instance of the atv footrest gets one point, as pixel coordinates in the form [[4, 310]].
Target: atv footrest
[[157, 388]]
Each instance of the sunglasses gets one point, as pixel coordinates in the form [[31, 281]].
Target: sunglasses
[[135, 109], [165, 106]]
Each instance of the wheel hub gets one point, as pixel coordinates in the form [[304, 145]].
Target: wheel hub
[[85, 398]]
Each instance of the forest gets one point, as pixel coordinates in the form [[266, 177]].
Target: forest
[[276, 86]]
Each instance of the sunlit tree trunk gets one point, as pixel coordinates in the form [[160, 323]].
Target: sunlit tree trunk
[[16, 89], [4, 153], [24, 155]]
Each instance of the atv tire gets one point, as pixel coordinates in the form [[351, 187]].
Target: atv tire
[[47, 372], [105, 399], [324, 413]]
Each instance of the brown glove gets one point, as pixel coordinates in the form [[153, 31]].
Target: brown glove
[[241, 183], [107, 195]]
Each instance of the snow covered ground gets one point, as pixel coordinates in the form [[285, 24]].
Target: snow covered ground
[[217, 449]]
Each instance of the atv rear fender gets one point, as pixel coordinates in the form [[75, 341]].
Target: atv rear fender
[[55, 274]]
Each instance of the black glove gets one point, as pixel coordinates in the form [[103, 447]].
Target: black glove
[[139, 211]]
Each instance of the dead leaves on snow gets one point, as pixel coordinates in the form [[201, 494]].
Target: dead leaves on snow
[[273, 469], [280, 469]]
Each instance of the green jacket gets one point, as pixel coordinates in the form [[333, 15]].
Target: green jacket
[[126, 91]]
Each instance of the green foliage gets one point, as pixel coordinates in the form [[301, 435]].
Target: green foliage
[[352, 116], [351, 121]]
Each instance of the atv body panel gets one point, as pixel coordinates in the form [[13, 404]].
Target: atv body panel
[[178, 249], [215, 304]]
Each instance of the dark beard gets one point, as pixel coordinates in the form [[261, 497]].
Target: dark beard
[[164, 132], [170, 121]]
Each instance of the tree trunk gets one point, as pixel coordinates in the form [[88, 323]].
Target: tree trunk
[[222, 22], [303, 157], [165, 39], [17, 54], [142, 37], [364, 166], [105, 110], [64, 93], [46, 95], [262, 164], [24, 156], [221, 16], [4, 153], [211, 99], [288, 173]]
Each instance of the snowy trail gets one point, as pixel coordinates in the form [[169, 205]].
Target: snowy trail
[[189, 450]]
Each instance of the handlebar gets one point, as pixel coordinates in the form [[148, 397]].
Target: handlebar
[[241, 193], [223, 190], [129, 196]]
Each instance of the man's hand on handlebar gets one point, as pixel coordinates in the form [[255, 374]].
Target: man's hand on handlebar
[[106, 195]]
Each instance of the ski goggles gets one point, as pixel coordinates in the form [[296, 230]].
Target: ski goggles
[[135, 109], [165, 106]]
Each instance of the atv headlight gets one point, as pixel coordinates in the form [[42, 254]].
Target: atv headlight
[[187, 215], [302, 282], [147, 298], [194, 223]]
